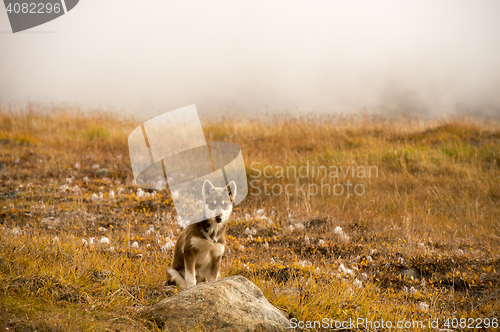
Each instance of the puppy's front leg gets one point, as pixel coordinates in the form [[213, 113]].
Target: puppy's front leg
[[214, 273], [217, 252], [189, 265]]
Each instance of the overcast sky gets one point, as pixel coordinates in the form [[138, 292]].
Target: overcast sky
[[146, 57]]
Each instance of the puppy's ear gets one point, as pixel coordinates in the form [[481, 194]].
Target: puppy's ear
[[207, 188], [231, 186]]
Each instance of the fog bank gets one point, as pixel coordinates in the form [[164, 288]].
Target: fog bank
[[423, 58]]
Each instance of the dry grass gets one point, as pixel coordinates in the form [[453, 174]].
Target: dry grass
[[433, 210]]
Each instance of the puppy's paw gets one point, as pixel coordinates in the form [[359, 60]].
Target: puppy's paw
[[214, 277], [190, 281], [176, 278]]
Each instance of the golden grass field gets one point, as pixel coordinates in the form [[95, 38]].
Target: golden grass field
[[432, 211]]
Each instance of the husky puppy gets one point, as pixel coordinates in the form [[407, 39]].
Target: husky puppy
[[198, 251]]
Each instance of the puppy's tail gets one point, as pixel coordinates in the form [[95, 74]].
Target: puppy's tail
[[176, 276]]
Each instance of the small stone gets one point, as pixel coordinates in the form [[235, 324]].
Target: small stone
[[299, 226], [410, 273], [422, 306], [102, 172]]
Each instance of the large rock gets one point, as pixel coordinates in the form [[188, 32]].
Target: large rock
[[230, 304]]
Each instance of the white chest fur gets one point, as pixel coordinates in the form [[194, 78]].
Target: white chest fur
[[208, 253], [209, 248]]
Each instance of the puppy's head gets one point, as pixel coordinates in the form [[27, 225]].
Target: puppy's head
[[218, 202]]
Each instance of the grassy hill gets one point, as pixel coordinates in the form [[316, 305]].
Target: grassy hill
[[416, 238]]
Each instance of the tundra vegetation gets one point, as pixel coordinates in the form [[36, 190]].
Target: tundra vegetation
[[82, 248]]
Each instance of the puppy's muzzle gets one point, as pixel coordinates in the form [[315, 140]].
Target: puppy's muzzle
[[218, 218]]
